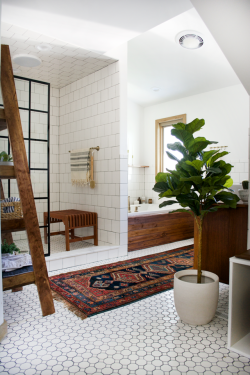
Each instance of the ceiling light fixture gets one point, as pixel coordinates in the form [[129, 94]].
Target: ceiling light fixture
[[28, 61], [190, 39], [43, 47]]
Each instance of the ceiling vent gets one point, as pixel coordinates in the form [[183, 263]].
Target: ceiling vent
[[190, 39]]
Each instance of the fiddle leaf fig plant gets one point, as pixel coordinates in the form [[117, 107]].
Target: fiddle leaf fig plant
[[200, 180]]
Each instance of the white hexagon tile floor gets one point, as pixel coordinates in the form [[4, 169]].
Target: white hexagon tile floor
[[146, 337]]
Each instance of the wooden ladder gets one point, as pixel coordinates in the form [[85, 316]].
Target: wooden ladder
[[10, 119]]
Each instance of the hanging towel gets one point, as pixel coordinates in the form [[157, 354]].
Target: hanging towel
[[80, 167]]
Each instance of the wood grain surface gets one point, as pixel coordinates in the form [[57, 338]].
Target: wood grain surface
[[152, 230], [24, 183]]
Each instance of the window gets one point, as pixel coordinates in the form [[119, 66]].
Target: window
[[162, 138]]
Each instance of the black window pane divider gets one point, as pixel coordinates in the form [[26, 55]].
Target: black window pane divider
[[29, 139]]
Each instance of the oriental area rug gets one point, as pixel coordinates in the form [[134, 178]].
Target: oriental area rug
[[94, 290]]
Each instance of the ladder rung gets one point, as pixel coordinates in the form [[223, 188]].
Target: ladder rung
[[12, 225], [3, 124], [7, 171], [18, 280]]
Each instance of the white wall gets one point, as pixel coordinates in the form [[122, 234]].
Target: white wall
[[226, 113], [136, 178], [89, 117]]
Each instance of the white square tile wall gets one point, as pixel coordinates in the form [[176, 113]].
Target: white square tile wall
[[136, 183], [89, 117]]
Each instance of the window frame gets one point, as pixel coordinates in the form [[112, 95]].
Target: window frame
[[159, 138]]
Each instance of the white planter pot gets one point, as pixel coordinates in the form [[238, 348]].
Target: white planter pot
[[243, 194], [196, 303], [6, 163]]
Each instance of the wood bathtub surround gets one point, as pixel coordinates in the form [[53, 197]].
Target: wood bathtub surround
[[150, 230], [224, 235]]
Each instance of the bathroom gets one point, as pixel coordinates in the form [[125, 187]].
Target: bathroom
[[163, 90]]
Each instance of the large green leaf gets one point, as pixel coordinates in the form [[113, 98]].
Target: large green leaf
[[179, 125], [184, 136], [228, 183], [161, 177], [167, 203], [206, 155], [177, 146], [217, 156], [171, 156], [195, 125], [198, 144], [197, 164], [161, 187], [213, 170], [196, 179]]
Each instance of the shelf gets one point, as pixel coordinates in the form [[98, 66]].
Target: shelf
[[12, 225], [138, 166], [3, 124], [18, 280], [7, 171]]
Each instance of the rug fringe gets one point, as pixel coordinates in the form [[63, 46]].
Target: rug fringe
[[68, 305]]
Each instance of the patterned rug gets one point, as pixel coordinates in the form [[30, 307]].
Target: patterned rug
[[94, 290]]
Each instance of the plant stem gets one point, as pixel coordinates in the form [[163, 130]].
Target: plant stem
[[199, 222]]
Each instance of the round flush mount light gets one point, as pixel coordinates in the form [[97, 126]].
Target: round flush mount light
[[155, 89], [43, 47], [190, 39], [28, 61]]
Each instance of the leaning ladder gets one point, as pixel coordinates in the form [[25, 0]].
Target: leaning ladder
[[10, 115]]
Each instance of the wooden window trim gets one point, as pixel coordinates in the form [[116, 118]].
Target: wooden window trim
[[159, 147]]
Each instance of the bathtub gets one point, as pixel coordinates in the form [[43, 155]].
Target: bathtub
[[154, 226], [151, 209]]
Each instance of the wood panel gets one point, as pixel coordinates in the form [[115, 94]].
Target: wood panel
[[13, 225], [153, 230], [18, 280], [7, 172], [24, 183], [224, 235]]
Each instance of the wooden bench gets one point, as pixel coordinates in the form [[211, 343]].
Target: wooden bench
[[72, 219]]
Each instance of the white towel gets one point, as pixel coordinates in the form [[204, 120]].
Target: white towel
[[11, 262], [80, 166]]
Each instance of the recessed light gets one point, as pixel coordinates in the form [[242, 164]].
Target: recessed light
[[43, 47], [29, 61], [155, 89], [190, 39]]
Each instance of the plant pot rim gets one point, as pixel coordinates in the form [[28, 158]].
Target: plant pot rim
[[7, 162], [211, 275]]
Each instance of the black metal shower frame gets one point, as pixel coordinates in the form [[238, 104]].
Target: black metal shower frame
[[29, 139]]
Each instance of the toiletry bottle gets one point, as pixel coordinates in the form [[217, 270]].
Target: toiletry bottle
[[139, 199]]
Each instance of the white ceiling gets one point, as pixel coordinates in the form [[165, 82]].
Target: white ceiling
[[61, 65], [230, 37], [156, 60], [95, 25]]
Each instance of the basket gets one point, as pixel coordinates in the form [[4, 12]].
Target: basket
[[17, 214]]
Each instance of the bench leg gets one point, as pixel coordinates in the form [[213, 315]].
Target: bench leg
[[96, 235], [67, 236], [72, 233]]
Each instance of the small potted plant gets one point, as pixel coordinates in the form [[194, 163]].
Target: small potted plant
[[9, 249], [243, 193], [200, 182], [5, 159]]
